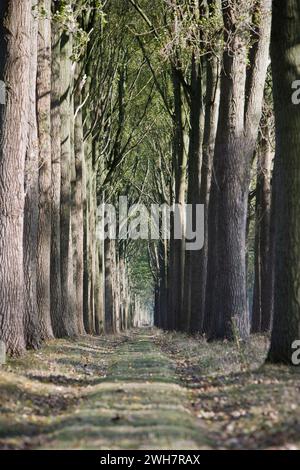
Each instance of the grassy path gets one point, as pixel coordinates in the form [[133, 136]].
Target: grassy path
[[97, 393]]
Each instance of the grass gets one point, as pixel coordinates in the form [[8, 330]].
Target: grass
[[118, 392], [148, 390], [242, 403]]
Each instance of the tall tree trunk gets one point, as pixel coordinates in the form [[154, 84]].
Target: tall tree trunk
[[99, 311], [68, 315], [271, 264], [78, 209], [87, 319], [189, 318], [86, 188], [236, 137], [227, 246], [163, 283], [55, 272], [261, 320], [15, 38], [44, 135], [91, 252], [72, 271], [108, 286], [31, 321], [116, 287], [177, 246], [209, 138], [285, 53]]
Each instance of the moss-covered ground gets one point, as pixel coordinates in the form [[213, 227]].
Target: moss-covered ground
[[118, 392], [148, 390]]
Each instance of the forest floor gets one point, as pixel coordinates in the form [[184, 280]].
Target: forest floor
[[148, 390]]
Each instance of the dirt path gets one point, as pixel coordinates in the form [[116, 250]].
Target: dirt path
[[98, 393]]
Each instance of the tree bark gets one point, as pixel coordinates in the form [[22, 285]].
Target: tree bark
[[285, 50], [108, 286], [177, 246], [15, 37], [55, 272], [44, 135], [235, 143], [189, 318], [68, 315], [261, 319], [209, 139], [78, 208], [87, 319], [31, 321]]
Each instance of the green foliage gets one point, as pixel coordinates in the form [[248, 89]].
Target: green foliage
[[140, 274]]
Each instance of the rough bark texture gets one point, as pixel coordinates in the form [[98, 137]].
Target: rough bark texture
[[72, 271], [44, 135], [31, 320], [163, 283], [68, 316], [55, 273], [261, 318], [15, 36], [177, 247], [99, 311], [190, 313], [239, 118], [228, 198], [91, 246], [86, 311], [209, 138], [109, 293], [78, 210], [285, 52]]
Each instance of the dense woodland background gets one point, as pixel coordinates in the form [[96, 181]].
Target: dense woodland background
[[168, 101]]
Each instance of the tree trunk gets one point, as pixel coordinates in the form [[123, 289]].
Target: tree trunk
[[229, 194], [163, 283], [236, 137], [55, 272], [261, 320], [15, 38], [31, 322], [68, 316], [44, 134], [209, 139], [91, 252], [72, 271], [78, 209], [99, 320], [177, 246], [189, 318], [285, 64], [108, 286], [86, 273]]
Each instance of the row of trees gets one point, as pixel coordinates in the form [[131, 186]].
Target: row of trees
[[220, 103], [213, 84], [166, 102], [57, 278]]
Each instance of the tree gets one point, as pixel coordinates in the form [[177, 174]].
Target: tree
[[240, 112], [78, 204], [31, 319], [65, 141], [209, 137], [261, 314], [66, 260], [285, 48], [15, 43], [203, 126], [55, 269], [44, 136]]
